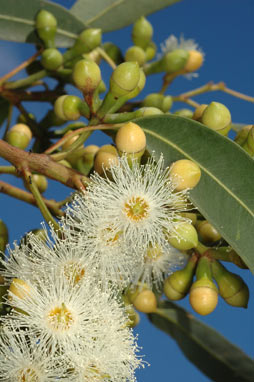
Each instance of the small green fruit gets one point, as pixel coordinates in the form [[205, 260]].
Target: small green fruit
[[19, 136], [217, 117], [124, 79], [184, 238], [175, 60], [46, 26], [67, 107], [51, 59], [150, 51], [208, 233], [88, 40], [154, 100], [86, 76], [135, 53], [142, 32]]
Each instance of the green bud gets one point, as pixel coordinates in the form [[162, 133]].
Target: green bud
[[67, 107], [154, 100], [232, 288], [133, 316], [19, 136], [102, 87], [184, 237], [41, 182], [207, 233], [51, 59], [177, 285], [86, 76], [175, 61], [217, 117], [142, 32], [187, 113], [88, 40], [140, 86], [86, 162], [242, 135], [203, 292], [198, 112], [4, 236], [146, 111], [167, 103], [113, 52], [135, 53], [23, 119], [124, 79], [248, 145], [46, 26], [150, 51], [145, 301], [105, 157]]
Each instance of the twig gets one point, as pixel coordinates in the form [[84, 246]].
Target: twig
[[106, 57], [20, 67], [27, 197], [44, 165]]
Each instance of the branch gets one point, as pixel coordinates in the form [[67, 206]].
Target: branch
[[27, 197], [44, 165]]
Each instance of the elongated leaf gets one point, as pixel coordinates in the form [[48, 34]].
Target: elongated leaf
[[213, 354], [225, 193], [17, 21], [115, 14]]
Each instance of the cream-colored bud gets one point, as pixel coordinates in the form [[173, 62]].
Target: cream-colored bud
[[130, 138], [185, 174]]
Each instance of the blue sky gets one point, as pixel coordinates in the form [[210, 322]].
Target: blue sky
[[224, 30]]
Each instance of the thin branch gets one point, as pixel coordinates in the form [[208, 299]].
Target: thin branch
[[44, 165], [20, 67], [27, 197], [106, 57]]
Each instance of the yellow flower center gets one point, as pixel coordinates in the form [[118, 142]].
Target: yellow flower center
[[60, 318], [73, 272], [28, 375], [109, 236], [136, 209]]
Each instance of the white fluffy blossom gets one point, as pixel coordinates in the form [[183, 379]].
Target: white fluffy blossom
[[23, 359], [118, 219]]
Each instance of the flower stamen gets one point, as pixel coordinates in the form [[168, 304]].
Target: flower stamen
[[136, 209]]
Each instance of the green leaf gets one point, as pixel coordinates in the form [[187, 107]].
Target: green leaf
[[213, 354], [4, 109], [225, 192], [17, 21], [115, 14]]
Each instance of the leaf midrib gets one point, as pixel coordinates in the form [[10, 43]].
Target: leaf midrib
[[31, 23], [203, 169], [106, 10]]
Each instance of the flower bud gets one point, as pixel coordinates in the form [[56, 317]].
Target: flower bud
[[150, 51], [217, 117], [65, 163], [75, 155], [19, 136], [248, 145], [86, 76], [124, 79], [154, 100], [4, 236], [187, 113], [51, 59], [131, 139], [135, 53], [145, 302], [167, 103], [86, 162], [184, 237], [67, 107], [146, 111], [194, 61], [232, 288], [185, 174], [104, 159], [203, 292], [88, 40], [41, 182], [175, 60], [191, 216], [140, 86], [113, 52], [197, 115], [242, 135], [142, 32], [46, 24], [24, 119], [177, 285], [207, 233]]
